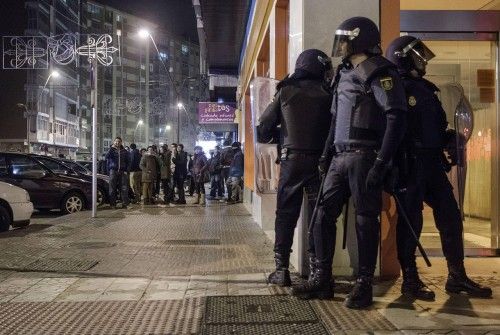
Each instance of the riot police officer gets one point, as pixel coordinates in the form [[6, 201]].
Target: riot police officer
[[426, 180], [301, 108], [368, 121]]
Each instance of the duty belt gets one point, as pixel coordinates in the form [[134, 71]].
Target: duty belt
[[287, 153], [353, 148]]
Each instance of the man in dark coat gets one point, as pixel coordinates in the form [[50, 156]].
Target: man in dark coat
[[118, 164]]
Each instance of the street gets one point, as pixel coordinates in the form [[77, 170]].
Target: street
[[195, 270]]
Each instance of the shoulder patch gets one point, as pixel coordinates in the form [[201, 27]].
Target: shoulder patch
[[412, 101], [386, 83]]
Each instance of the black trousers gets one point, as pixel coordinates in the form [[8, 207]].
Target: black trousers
[[167, 190], [297, 174], [428, 182], [346, 177], [179, 183]]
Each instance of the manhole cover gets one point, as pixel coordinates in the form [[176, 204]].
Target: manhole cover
[[257, 309], [60, 265], [91, 245], [265, 329], [194, 242]]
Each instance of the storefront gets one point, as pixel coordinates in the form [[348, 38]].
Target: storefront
[[279, 30]]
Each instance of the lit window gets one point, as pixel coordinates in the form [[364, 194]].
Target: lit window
[[184, 49]]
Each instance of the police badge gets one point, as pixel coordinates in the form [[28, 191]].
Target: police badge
[[412, 101], [386, 83]]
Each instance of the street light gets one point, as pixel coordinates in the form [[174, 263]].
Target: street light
[[139, 123], [54, 74]]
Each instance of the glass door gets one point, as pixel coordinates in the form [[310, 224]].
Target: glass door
[[472, 65]]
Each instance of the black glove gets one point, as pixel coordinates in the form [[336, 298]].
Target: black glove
[[324, 164], [376, 175]]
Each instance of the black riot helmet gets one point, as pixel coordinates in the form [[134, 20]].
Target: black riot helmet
[[360, 34], [409, 53], [314, 63]]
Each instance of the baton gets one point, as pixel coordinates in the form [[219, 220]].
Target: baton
[[318, 199], [402, 211]]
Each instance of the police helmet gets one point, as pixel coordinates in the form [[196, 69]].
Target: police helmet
[[409, 53], [313, 61], [361, 35], [236, 145]]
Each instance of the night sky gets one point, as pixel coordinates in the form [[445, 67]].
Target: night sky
[[176, 16]]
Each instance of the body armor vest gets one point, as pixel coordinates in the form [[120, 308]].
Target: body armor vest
[[426, 117], [359, 119], [305, 117]]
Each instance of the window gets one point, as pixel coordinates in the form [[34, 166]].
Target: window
[[54, 166], [25, 167], [3, 166], [184, 49]]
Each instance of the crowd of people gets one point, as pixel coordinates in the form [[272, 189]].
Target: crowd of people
[[164, 174]]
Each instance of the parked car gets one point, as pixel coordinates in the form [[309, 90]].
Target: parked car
[[68, 167], [15, 207], [47, 189], [86, 164]]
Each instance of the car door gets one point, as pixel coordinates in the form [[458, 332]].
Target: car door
[[34, 178]]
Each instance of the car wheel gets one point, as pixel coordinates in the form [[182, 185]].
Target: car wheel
[[72, 203], [5, 219]]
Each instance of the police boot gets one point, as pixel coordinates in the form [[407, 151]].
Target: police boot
[[319, 285], [197, 201], [281, 276], [413, 287], [361, 295], [459, 282], [203, 202]]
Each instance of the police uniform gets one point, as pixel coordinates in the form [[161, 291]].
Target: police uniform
[[301, 106], [425, 178], [368, 117]]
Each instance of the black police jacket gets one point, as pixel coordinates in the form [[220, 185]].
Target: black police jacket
[[369, 107], [426, 117], [301, 108]]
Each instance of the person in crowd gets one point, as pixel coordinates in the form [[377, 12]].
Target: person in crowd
[[102, 167], [368, 123], [166, 173], [135, 172], [179, 158], [173, 149], [226, 159], [199, 172], [148, 166], [215, 169], [426, 178], [190, 175], [118, 165], [301, 107], [236, 174]]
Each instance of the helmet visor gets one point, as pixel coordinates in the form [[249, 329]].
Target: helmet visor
[[341, 42], [419, 51]]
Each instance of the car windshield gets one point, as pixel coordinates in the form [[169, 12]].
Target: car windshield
[[77, 167], [55, 166]]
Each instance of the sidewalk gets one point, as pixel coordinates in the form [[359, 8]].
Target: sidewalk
[[194, 270]]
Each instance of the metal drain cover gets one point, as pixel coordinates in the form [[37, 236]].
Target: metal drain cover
[[262, 314], [194, 242], [265, 329], [91, 245], [61, 264]]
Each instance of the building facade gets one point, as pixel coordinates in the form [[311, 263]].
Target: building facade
[[137, 98], [466, 53]]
